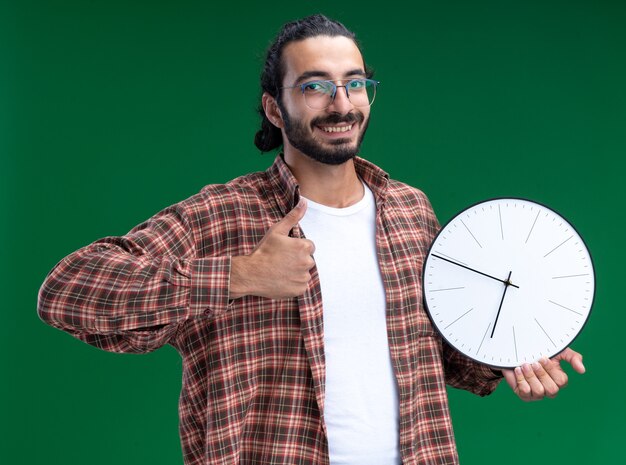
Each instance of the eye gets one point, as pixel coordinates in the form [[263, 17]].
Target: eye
[[356, 84], [320, 87]]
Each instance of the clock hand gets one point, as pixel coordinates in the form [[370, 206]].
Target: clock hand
[[507, 282]]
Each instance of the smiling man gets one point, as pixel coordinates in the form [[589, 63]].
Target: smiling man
[[293, 295]]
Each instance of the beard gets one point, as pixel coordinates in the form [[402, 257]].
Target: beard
[[340, 151]]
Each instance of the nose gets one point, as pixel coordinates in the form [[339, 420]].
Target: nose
[[341, 104]]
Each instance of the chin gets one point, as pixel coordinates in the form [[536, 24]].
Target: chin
[[335, 161], [332, 157]]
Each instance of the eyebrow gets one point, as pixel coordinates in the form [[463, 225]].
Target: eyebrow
[[325, 75]]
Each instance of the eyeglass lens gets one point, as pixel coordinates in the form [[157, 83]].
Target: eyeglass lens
[[319, 95]]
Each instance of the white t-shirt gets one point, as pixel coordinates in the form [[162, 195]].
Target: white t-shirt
[[361, 407]]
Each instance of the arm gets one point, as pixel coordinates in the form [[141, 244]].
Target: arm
[[131, 293], [463, 373]]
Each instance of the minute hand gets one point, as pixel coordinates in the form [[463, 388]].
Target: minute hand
[[508, 283]]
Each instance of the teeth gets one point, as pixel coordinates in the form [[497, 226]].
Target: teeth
[[337, 128]]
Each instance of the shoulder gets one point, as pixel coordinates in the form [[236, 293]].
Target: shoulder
[[224, 218], [409, 207], [405, 197], [253, 187], [218, 209], [248, 185]]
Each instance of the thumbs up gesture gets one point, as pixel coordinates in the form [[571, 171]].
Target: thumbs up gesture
[[279, 266]]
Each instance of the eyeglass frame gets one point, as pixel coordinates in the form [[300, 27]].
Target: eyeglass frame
[[334, 93]]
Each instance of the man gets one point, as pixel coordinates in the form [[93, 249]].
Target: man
[[296, 350]]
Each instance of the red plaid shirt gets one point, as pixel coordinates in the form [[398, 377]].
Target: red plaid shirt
[[253, 368]]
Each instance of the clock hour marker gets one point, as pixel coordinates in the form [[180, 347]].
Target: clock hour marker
[[532, 227], [483, 340], [500, 217], [447, 289], [570, 276], [468, 230], [515, 343], [544, 332], [459, 318], [566, 308], [558, 246], [442, 255]]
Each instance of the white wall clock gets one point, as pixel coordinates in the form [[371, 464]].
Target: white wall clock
[[507, 281]]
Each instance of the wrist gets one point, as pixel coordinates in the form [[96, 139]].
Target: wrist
[[240, 281]]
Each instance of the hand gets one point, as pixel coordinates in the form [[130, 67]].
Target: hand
[[507, 283], [279, 266], [545, 378]]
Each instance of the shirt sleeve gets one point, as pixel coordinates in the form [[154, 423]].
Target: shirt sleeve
[[464, 373], [132, 293]]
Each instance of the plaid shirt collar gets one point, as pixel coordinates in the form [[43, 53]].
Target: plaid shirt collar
[[287, 189]]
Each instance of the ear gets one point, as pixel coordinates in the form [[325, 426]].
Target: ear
[[272, 111]]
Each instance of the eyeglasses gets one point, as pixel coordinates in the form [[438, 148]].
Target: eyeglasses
[[319, 95]]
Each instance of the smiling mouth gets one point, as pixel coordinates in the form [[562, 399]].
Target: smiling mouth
[[336, 128]]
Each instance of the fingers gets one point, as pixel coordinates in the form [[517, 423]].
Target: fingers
[[291, 219], [551, 381], [544, 378], [309, 248], [302, 258], [532, 382], [554, 370], [509, 376], [522, 387]]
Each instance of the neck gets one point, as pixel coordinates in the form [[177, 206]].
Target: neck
[[336, 186]]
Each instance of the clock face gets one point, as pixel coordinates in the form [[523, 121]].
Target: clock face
[[508, 281]]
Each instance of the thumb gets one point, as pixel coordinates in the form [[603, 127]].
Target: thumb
[[573, 358], [509, 376], [291, 219]]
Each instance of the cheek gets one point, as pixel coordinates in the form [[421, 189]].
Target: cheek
[[366, 114], [295, 115]]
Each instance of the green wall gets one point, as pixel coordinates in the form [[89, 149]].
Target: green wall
[[111, 110]]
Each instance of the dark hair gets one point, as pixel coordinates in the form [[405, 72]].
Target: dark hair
[[269, 136]]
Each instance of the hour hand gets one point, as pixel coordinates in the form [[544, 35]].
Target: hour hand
[[506, 282]]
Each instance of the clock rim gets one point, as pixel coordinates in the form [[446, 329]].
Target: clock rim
[[460, 212]]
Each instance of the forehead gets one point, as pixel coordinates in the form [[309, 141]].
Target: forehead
[[335, 57]]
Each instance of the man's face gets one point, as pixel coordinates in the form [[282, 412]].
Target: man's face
[[332, 135]]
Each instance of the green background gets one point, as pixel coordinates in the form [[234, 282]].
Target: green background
[[112, 110]]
